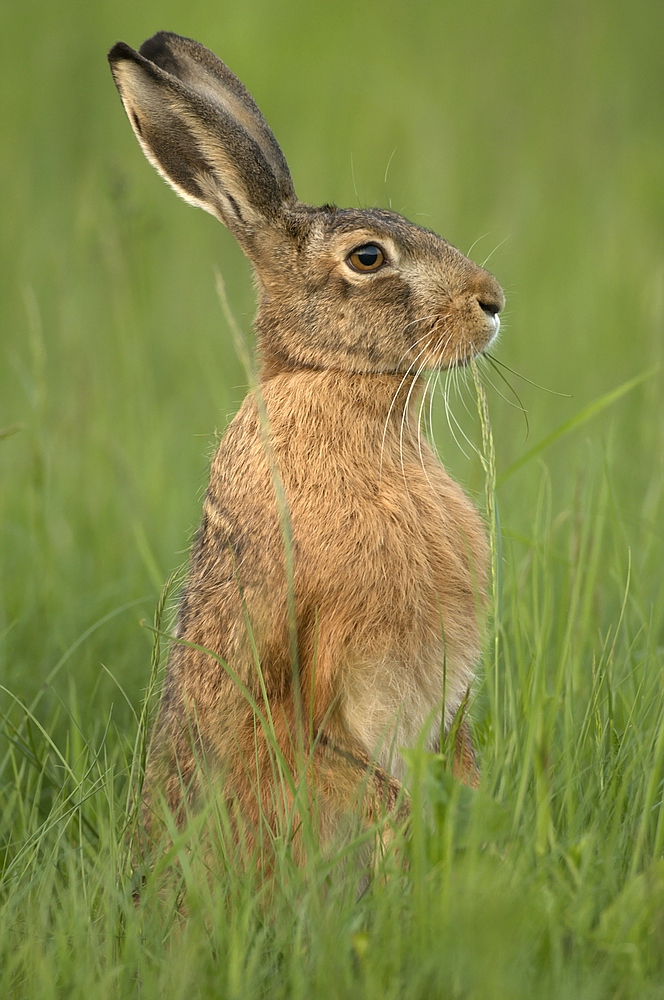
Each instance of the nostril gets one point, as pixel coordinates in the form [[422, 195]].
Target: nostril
[[490, 307]]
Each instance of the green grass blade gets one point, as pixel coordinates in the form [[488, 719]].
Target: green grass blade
[[587, 413]]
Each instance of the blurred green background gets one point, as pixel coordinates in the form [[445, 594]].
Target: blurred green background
[[532, 131]]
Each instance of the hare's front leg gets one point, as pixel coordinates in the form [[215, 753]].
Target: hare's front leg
[[277, 781], [348, 779]]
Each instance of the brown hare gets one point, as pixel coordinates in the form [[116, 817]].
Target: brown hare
[[338, 571]]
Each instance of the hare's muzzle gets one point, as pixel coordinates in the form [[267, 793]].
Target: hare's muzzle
[[473, 321]]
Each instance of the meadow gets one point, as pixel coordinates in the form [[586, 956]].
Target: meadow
[[532, 133]]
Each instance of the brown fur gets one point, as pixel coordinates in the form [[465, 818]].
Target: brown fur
[[323, 465]]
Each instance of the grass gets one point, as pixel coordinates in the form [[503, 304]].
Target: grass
[[541, 127], [548, 879]]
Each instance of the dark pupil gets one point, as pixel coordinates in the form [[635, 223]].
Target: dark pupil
[[368, 256]]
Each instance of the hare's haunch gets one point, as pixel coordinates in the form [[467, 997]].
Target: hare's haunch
[[350, 624]]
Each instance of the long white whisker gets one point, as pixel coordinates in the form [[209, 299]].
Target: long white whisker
[[432, 439], [427, 388], [394, 399], [448, 413], [419, 319], [461, 384], [404, 417], [419, 418], [470, 443], [484, 375], [412, 346], [468, 252], [389, 412], [449, 372], [438, 372], [487, 259], [440, 323]]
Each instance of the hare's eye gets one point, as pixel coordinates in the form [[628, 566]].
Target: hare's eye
[[366, 258]]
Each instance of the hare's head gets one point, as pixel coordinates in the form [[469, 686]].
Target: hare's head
[[356, 289]]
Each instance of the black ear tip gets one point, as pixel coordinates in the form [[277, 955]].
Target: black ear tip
[[157, 49], [121, 51]]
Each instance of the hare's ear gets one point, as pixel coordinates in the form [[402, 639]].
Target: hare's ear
[[202, 130]]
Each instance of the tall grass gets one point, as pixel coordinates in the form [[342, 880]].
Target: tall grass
[[549, 878], [539, 126]]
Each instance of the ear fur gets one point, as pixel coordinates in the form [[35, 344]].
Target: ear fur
[[199, 126]]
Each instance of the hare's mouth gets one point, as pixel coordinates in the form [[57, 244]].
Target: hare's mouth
[[459, 350]]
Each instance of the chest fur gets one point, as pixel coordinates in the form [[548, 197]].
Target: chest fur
[[399, 565]]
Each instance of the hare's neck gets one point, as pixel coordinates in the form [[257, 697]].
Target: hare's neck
[[331, 395]]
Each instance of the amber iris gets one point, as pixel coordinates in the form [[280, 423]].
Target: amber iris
[[366, 258]]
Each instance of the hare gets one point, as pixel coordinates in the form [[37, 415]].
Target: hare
[[338, 573]]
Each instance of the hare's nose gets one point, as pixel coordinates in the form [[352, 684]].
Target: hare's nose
[[489, 295]]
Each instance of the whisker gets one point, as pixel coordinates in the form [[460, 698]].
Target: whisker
[[441, 322], [449, 375], [502, 364], [432, 440], [468, 252], [427, 388], [405, 416], [419, 419], [412, 346], [394, 399], [487, 259], [461, 376], [518, 405], [429, 334], [450, 414], [389, 413], [387, 168], [352, 171], [420, 319]]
